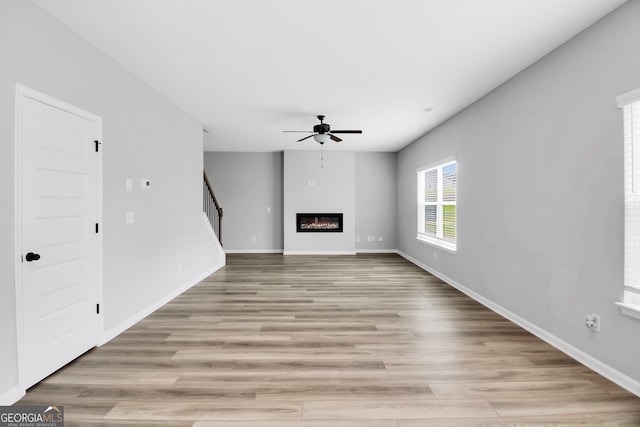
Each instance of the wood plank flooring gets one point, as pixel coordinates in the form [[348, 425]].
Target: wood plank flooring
[[329, 341]]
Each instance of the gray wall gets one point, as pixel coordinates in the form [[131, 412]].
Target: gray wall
[[540, 196], [246, 184], [376, 178], [248, 187], [144, 136], [313, 186]]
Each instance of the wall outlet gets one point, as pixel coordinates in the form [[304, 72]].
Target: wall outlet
[[254, 239], [357, 238], [130, 218], [128, 184], [380, 239], [592, 321]]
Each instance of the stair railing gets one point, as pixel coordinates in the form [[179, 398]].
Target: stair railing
[[212, 208]]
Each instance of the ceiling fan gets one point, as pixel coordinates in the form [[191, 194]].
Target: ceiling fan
[[322, 133]]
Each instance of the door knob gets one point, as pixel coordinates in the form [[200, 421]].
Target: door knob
[[32, 257]]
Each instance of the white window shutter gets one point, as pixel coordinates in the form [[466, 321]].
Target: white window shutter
[[437, 198], [630, 104]]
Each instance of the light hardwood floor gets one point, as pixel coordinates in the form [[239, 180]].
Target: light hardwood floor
[[329, 341]]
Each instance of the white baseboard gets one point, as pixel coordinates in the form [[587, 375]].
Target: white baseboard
[[253, 251], [376, 251], [123, 326], [11, 396], [624, 381], [319, 252], [281, 251]]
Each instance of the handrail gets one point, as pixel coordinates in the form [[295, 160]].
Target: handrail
[[211, 207]]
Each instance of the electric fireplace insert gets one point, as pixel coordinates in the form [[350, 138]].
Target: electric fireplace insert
[[319, 222]]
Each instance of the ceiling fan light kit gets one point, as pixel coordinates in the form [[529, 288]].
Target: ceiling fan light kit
[[322, 137]]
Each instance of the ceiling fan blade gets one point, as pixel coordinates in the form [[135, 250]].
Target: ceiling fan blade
[[346, 131], [306, 137], [299, 131], [335, 138]]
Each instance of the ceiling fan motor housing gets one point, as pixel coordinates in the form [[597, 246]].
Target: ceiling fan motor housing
[[321, 128]]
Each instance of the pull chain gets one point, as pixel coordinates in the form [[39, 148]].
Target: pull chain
[[322, 156]]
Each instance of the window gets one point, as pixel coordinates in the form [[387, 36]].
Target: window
[[437, 196], [630, 104]]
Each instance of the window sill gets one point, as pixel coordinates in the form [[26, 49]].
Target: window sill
[[440, 244], [629, 309]]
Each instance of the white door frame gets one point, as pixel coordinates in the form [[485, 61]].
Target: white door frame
[[22, 92]]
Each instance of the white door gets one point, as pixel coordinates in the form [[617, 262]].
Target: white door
[[58, 235]]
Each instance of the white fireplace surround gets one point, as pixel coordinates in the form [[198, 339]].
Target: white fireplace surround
[[310, 186]]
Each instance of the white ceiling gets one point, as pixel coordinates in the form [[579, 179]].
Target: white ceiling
[[249, 69]]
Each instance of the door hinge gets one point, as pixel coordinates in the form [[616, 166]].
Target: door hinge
[[97, 308], [97, 227], [97, 145]]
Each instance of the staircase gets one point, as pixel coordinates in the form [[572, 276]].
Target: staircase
[[212, 208]]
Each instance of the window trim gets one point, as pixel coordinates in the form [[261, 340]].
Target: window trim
[[438, 242], [630, 305]]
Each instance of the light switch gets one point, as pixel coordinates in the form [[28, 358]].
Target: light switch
[[130, 217], [128, 184]]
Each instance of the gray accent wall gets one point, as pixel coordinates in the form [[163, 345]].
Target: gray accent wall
[[248, 184], [376, 202], [540, 192], [248, 187], [145, 136]]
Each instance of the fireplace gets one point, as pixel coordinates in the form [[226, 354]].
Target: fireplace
[[319, 222]]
